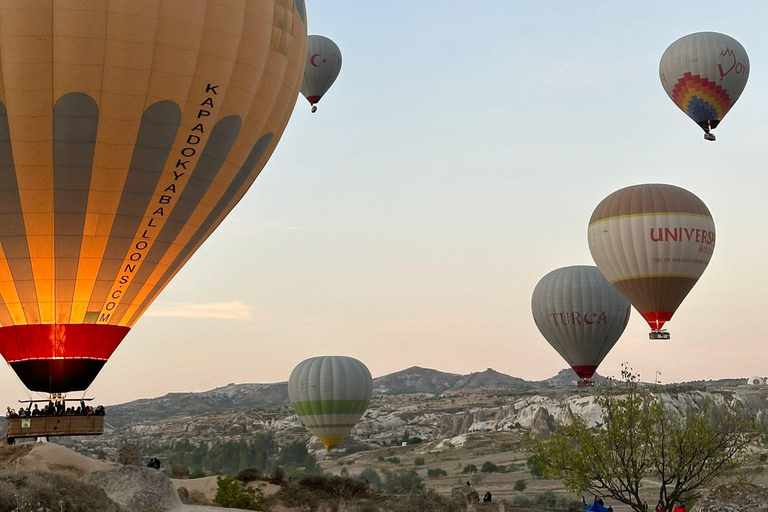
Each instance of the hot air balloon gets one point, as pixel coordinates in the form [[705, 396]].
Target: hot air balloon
[[652, 242], [704, 74], [322, 67], [330, 395], [756, 381], [128, 131], [581, 315]]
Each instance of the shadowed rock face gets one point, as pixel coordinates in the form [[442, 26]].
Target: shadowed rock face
[[734, 497], [137, 488]]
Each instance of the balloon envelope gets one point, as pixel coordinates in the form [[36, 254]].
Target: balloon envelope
[[580, 314], [652, 242], [128, 130], [321, 69], [704, 74], [330, 394]]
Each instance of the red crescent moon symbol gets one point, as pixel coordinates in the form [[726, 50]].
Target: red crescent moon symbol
[[312, 60]]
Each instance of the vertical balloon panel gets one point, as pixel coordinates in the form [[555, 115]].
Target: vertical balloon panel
[[128, 130]]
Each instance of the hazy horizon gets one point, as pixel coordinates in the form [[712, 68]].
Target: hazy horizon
[[455, 162]]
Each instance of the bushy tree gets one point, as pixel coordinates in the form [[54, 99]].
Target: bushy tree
[[418, 461], [370, 476], [402, 482], [489, 467], [536, 470], [638, 438], [436, 472], [520, 485], [233, 494], [293, 452], [469, 468]]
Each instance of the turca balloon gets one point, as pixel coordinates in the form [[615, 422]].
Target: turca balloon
[[581, 315], [128, 131], [330, 394], [321, 69], [704, 74], [653, 243]]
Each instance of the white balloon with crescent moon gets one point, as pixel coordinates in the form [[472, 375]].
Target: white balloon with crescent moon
[[322, 68]]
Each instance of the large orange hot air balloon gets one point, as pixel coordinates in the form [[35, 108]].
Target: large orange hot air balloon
[[652, 242], [128, 131]]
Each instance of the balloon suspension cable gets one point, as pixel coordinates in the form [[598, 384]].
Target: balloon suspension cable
[[24, 389]]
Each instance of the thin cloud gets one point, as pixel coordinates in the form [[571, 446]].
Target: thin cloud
[[234, 310]]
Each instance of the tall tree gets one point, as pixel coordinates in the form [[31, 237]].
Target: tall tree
[[639, 438]]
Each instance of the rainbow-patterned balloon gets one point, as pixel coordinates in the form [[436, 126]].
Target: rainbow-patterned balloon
[[704, 74]]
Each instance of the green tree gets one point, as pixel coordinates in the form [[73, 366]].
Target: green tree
[[402, 482], [293, 452], [232, 494], [436, 472], [311, 466], [418, 461], [469, 468], [370, 476], [537, 471], [638, 438], [489, 467], [520, 485]]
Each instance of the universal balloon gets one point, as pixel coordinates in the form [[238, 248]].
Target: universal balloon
[[653, 243], [704, 74], [330, 395], [128, 131], [321, 69], [581, 315]]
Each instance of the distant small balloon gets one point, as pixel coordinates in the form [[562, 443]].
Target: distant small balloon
[[580, 314], [704, 74], [330, 394], [322, 68]]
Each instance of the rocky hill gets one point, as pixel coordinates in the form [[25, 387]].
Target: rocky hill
[[414, 380]]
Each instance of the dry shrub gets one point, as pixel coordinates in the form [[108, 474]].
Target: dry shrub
[[197, 497], [38, 490]]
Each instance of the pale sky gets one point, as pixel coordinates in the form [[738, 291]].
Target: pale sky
[[454, 163]]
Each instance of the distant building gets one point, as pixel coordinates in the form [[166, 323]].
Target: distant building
[[756, 381]]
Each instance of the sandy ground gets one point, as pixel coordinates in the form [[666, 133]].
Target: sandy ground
[[49, 456]]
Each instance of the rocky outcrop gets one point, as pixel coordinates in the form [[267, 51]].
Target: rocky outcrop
[[734, 497], [465, 494], [137, 489]]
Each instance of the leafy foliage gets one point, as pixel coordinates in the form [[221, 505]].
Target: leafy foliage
[[370, 476], [248, 475], [469, 468], [418, 461], [334, 486], [536, 469], [402, 482], [489, 467], [436, 472], [520, 485], [229, 457], [639, 438], [233, 494]]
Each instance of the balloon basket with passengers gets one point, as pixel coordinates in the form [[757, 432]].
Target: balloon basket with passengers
[[54, 419]]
